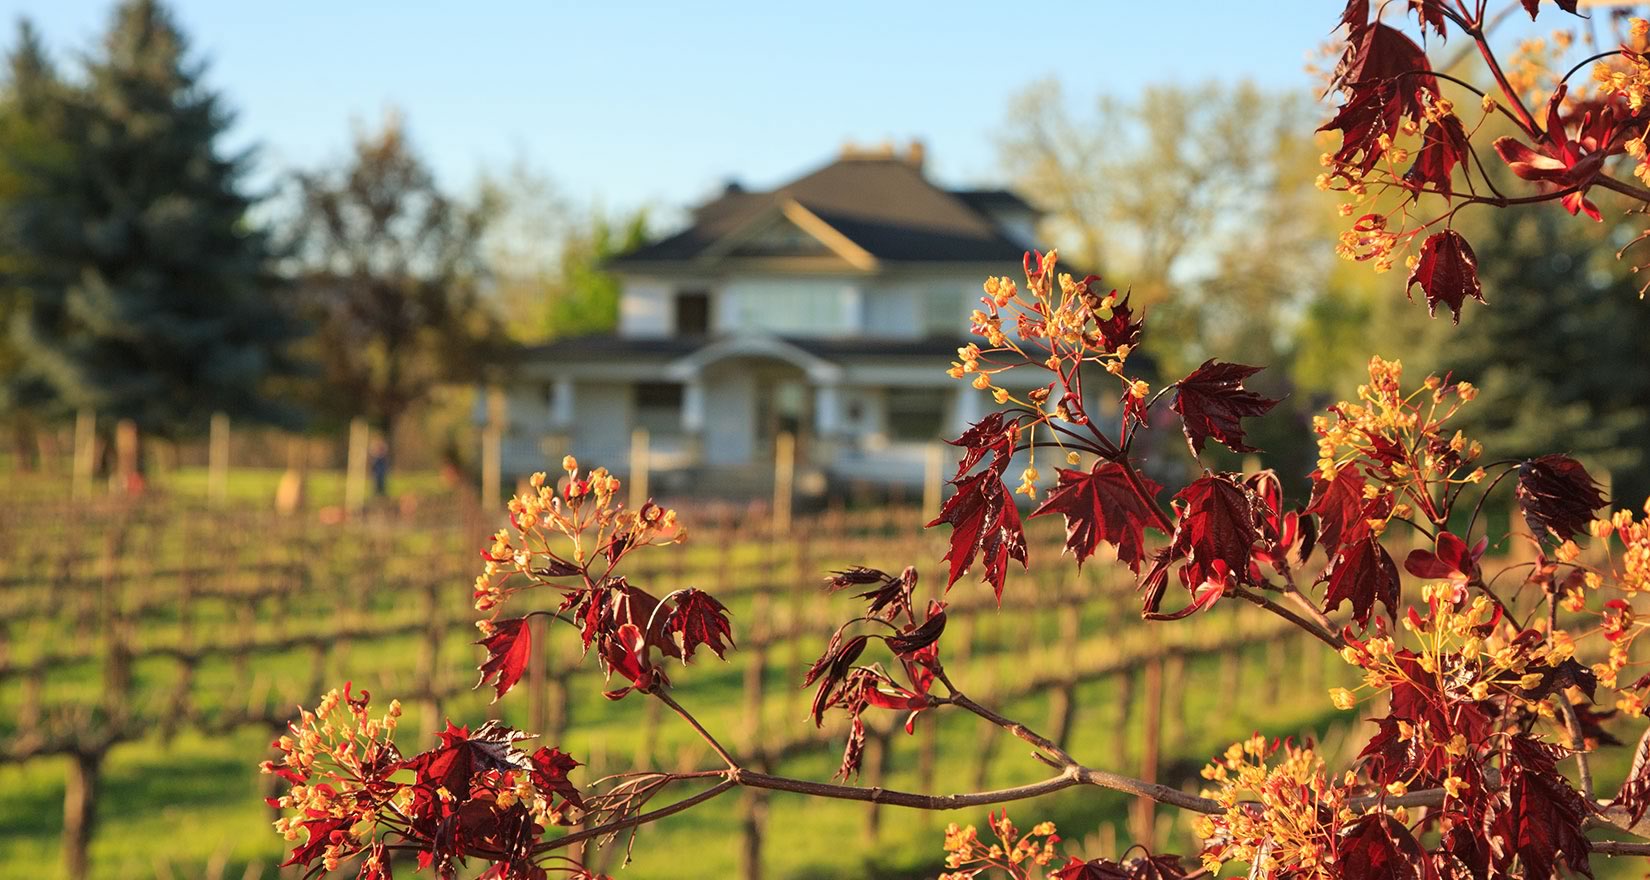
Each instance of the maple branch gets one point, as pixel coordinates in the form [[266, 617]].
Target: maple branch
[[639, 818], [1326, 636], [698, 728], [1621, 186], [1620, 848], [1060, 759], [1525, 120]]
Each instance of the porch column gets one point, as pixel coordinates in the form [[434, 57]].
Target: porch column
[[561, 403], [693, 419], [827, 409]]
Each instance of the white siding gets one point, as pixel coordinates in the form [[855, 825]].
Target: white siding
[[601, 436], [646, 308], [788, 306], [916, 308]]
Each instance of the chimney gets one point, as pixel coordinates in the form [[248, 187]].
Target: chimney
[[915, 153]]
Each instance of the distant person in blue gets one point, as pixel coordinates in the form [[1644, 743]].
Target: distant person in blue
[[378, 461]]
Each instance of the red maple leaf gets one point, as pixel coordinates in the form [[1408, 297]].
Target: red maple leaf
[[1443, 146], [1563, 162], [1101, 505], [549, 774], [1447, 271], [1362, 573], [1542, 824], [1148, 867], [1212, 400], [697, 618], [508, 650], [1450, 559], [1216, 533], [985, 524], [1339, 505], [1379, 847], [1557, 496]]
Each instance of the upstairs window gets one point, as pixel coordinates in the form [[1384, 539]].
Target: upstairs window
[[692, 313]]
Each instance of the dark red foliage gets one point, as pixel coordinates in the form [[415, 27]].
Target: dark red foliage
[[994, 437], [1634, 795], [1339, 505], [1557, 496], [1564, 162], [1287, 536], [1541, 817], [322, 832], [1447, 272], [1385, 76], [1450, 559], [1150, 867], [888, 598], [697, 618], [1101, 505], [985, 524], [1216, 533], [508, 650], [1362, 573], [1419, 701], [1379, 847], [1212, 401], [549, 772], [1443, 146]]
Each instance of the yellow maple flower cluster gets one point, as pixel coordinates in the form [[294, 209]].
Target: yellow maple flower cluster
[[1400, 439], [1013, 853], [558, 531], [326, 754], [1462, 643], [1053, 323], [1276, 797]]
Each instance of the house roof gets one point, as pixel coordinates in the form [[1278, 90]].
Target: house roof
[[865, 208]]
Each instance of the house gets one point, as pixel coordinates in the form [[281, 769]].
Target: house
[[828, 308]]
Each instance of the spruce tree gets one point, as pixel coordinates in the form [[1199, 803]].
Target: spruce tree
[[1559, 352], [155, 298]]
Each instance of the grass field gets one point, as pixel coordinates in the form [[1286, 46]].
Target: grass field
[[181, 804]]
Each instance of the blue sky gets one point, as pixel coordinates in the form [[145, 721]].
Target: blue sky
[[629, 104]]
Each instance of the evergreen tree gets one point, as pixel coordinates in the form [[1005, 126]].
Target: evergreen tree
[[33, 151], [150, 295], [1559, 352]]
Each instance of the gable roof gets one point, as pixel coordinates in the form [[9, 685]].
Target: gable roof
[[878, 208]]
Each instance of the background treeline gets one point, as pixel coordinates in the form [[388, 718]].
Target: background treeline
[[1203, 200], [144, 277]]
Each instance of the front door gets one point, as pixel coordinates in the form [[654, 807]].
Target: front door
[[784, 405]]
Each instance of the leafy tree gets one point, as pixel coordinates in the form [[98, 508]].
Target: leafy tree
[[548, 261], [390, 270], [145, 291]]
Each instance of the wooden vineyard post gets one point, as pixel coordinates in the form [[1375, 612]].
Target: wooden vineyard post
[[1063, 702], [492, 452], [126, 456], [784, 481], [877, 747], [217, 460], [538, 691], [933, 479], [1145, 809], [79, 812], [1174, 686], [753, 807], [429, 657], [85, 452], [355, 468], [639, 463]]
